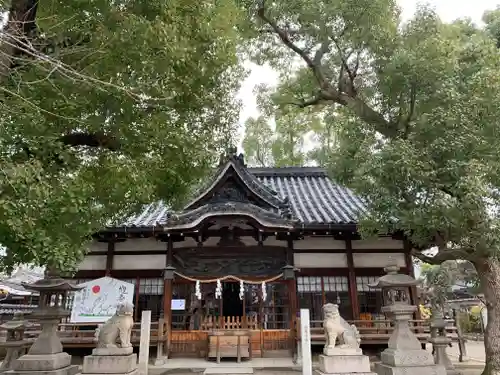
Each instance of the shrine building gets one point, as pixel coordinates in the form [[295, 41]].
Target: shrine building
[[249, 249]]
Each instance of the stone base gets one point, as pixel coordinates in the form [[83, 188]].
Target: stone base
[[344, 364], [69, 370], [319, 372], [113, 351], [341, 351], [42, 362], [110, 364], [135, 372], [397, 357], [383, 369]]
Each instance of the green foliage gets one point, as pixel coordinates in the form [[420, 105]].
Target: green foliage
[[415, 109], [417, 135], [470, 321], [257, 142], [155, 80], [438, 282]]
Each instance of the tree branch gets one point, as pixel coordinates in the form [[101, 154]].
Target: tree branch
[[324, 48], [443, 256], [317, 99], [287, 41], [95, 140], [21, 24], [327, 92]]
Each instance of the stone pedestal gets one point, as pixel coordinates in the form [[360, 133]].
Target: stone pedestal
[[46, 364], [110, 361], [344, 361], [440, 356], [404, 355]]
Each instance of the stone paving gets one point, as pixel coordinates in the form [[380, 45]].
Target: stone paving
[[474, 366]]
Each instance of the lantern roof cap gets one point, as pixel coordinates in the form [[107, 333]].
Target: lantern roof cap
[[52, 284], [394, 279], [17, 322]]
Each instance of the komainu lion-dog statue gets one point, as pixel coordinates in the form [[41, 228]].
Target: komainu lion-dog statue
[[337, 328], [119, 326]]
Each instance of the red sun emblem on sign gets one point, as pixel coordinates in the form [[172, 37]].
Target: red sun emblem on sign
[[96, 289]]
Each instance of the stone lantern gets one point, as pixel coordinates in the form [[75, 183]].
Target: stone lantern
[[440, 342], [404, 353], [289, 272], [169, 273], [46, 354], [15, 339]]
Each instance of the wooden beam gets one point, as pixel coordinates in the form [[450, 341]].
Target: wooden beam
[[109, 257], [353, 287], [119, 274], [344, 251]]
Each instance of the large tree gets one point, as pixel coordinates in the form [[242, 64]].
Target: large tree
[[107, 105], [419, 135], [257, 142]]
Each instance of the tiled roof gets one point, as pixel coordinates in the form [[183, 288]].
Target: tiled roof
[[10, 308], [314, 198]]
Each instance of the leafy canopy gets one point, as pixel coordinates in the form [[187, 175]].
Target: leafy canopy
[[106, 106], [415, 107]]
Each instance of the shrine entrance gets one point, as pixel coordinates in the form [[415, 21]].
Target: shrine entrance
[[232, 304]]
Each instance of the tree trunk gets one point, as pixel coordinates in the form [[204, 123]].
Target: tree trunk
[[489, 271], [20, 24]]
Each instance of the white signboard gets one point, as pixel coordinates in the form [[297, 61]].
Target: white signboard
[[305, 339], [178, 304], [97, 301]]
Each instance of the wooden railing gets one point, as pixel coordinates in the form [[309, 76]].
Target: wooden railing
[[83, 335], [379, 331], [230, 322]]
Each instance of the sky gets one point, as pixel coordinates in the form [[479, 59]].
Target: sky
[[448, 10]]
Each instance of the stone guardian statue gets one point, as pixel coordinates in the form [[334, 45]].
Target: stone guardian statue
[[336, 328], [117, 328]]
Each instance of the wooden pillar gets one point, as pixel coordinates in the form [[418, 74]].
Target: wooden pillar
[[353, 287], [167, 297], [292, 297], [167, 287], [109, 257], [136, 302]]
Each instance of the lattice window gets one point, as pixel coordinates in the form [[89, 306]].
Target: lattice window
[[336, 284], [370, 299], [150, 297], [130, 281], [310, 295], [152, 287], [363, 281], [276, 307], [336, 290], [309, 284], [314, 292]]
